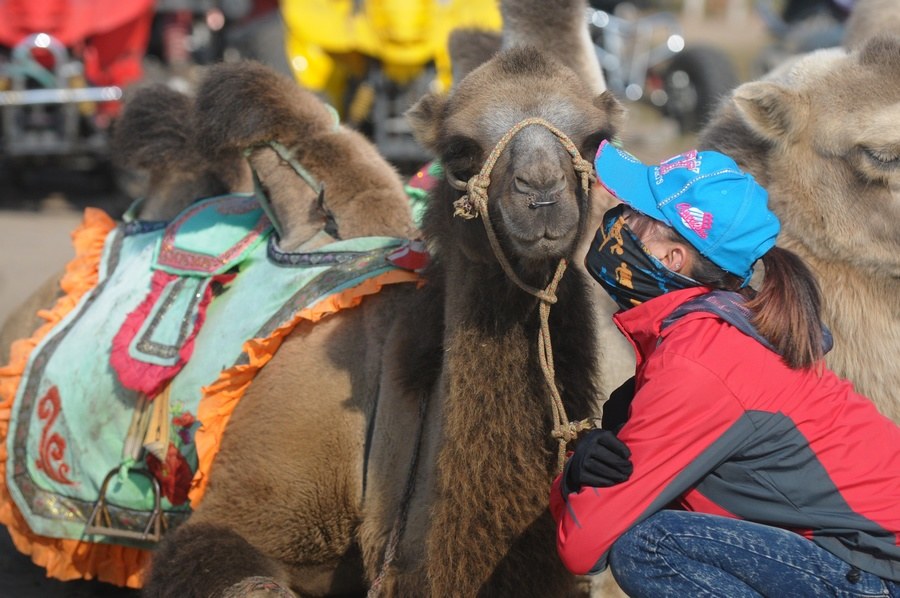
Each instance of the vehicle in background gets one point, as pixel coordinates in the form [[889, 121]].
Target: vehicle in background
[[190, 33], [644, 57], [64, 65], [800, 27], [372, 59]]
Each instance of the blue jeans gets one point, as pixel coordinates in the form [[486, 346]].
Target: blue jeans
[[684, 554]]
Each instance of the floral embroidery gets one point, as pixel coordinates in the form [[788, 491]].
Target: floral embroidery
[[53, 446], [184, 425], [174, 475]]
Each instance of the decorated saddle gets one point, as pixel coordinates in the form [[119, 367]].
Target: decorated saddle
[[118, 411]]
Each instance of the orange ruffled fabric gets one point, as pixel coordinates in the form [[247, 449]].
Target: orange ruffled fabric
[[119, 565], [64, 559]]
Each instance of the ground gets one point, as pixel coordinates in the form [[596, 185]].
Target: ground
[[35, 222]]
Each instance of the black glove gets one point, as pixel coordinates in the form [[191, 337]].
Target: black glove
[[615, 409], [600, 460]]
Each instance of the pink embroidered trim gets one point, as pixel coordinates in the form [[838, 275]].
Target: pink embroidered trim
[[150, 378], [53, 446], [173, 257]]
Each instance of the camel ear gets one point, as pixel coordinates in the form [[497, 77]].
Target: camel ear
[[772, 111], [425, 118], [615, 111]]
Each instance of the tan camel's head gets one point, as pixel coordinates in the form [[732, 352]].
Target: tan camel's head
[[822, 135], [535, 196]]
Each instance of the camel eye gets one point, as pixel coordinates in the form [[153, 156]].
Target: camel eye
[[885, 158], [461, 157]]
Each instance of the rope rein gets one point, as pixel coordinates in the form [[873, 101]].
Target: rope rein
[[475, 203]]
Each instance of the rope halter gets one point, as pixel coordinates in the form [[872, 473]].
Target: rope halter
[[475, 203]]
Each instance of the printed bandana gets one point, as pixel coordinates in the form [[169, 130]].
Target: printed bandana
[[620, 262]]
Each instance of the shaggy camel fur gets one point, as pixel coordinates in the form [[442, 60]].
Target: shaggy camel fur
[[361, 192], [821, 136]]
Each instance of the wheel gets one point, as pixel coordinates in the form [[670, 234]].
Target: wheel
[[694, 81]]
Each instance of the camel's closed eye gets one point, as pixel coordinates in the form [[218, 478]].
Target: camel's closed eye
[[883, 157]]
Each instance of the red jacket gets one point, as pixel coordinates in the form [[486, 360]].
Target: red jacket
[[719, 424]]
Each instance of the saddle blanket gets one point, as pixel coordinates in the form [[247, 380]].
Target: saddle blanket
[[172, 309]]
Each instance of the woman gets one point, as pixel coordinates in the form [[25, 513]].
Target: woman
[[743, 466]]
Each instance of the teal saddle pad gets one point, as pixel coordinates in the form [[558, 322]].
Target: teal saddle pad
[[212, 279]]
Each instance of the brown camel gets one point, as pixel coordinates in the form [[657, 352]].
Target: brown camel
[[444, 382], [406, 445], [821, 136]]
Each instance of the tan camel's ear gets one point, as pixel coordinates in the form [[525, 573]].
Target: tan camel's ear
[[425, 118], [615, 111], [772, 111]]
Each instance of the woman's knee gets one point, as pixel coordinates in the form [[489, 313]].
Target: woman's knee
[[644, 541]]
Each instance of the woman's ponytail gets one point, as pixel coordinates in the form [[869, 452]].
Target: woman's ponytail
[[787, 309]]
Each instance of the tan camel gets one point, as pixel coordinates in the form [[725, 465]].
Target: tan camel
[[821, 135]]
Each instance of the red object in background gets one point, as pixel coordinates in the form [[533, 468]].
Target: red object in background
[[110, 36]]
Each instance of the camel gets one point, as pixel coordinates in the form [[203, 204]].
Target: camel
[[447, 386], [819, 134], [405, 445]]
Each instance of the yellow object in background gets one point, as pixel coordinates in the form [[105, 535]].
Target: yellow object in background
[[328, 41]]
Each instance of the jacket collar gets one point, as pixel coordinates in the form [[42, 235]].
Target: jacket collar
[[641, 324]]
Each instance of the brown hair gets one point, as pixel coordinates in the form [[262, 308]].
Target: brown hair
[[787, 307]]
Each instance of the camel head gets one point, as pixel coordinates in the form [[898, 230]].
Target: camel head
[[535, 197], [822, 136], [155, 137]]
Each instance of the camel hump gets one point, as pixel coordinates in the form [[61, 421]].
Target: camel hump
[[154, 131], [560, 29], [243, 104], [470, 48]]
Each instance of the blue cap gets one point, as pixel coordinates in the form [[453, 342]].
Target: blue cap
[[704, 196]]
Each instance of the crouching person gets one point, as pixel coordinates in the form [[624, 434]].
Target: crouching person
[[734, 463]]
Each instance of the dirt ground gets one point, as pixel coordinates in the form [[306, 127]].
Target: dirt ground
[[35, 222]]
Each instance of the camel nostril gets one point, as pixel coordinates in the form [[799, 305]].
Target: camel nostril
[[544, 187], [522, 186], [559, 186]]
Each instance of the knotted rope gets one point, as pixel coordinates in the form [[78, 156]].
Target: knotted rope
[[475, 203]]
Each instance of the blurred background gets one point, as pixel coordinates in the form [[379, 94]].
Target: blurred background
[[66, 67]]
